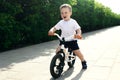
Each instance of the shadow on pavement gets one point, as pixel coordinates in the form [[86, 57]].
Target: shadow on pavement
[[79, 75], [12, 57], [66, 74]]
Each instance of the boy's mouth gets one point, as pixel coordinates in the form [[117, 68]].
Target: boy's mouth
[[64, 17]]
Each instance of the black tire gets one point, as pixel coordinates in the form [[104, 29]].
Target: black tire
[[71, 64], [56, 69]]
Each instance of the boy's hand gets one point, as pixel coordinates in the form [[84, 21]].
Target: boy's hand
[[78, 36], [50, 33]]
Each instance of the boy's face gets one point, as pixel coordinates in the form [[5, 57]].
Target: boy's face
[[65, 13]]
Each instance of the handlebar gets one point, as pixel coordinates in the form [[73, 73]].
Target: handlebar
[[58, 36]]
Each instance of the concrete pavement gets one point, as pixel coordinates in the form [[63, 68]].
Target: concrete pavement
[[100, 48]]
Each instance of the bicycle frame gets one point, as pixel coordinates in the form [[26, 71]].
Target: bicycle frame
[[68, 57], [68, 54]]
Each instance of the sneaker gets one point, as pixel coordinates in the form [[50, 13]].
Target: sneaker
[[84, 65]]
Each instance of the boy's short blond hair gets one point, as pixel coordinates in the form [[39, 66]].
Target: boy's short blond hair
[[66, 6]]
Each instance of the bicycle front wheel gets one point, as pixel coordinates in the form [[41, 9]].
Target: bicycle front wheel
[[56, 65]]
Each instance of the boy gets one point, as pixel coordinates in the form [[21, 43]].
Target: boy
[[69, 27]]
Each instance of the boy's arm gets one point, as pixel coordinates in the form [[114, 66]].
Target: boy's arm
[[78, 34], [51, 31]]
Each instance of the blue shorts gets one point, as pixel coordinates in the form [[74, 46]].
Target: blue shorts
[[72, 45]]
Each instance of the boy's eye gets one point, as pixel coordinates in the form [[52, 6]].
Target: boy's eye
[[64, 13]]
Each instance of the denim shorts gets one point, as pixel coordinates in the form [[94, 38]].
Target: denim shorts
[[71, 44]]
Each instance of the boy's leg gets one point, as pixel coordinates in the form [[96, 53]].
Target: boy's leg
[[79, 54], [81, 57], [58, 49]]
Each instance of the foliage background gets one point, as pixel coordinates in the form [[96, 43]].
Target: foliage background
[[26, 22]]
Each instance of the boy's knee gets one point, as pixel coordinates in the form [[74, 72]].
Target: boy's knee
[[58, 49]]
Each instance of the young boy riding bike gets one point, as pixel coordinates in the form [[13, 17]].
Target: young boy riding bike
[[69, 27]]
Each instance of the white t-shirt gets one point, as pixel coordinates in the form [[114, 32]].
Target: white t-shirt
[[68, 28]]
